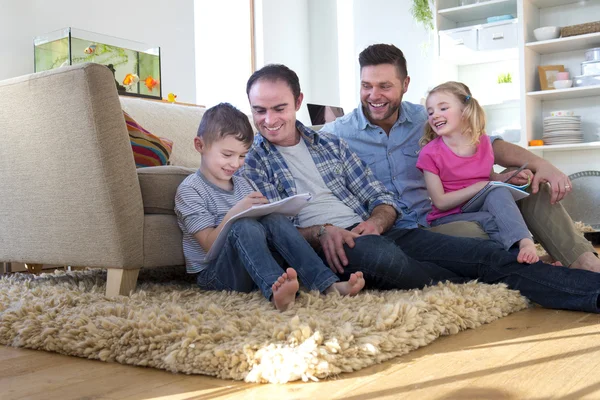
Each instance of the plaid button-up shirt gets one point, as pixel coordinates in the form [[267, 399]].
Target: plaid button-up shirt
[[349, 179]]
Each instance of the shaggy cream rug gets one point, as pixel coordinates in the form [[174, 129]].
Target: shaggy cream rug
[[174, 326]]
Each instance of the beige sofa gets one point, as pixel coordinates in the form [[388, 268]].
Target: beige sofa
[[70, 193]]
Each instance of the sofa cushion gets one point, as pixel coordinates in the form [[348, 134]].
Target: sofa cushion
[[178, 123], [148, 150], [159, 185]]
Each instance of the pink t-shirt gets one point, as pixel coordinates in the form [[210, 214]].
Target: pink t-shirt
[[455, 172]]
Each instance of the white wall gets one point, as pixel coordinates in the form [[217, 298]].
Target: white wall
[[390, 21], [169, 25], [223, 52], [321, 40], [285, 40], [323, 52]]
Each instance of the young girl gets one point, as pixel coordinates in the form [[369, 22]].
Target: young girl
[[458, 161]]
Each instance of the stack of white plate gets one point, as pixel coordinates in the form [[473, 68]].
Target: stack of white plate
[[562, 130]]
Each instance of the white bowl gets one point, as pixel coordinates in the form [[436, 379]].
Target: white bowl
[[567, 83], [546, 32], [562, 113]]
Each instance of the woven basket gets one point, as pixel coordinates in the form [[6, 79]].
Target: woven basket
[[580, 29]]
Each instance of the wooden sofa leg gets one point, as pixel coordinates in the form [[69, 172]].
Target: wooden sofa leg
[[34, 268], [121, 281]]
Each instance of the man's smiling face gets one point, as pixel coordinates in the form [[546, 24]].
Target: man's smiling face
[[381, 91], [274, 111]]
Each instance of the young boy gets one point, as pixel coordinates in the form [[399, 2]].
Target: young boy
[[206, 200]]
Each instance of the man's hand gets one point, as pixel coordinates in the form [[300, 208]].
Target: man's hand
[[559, 182], [367, 227], [253, 199], [332, 243]]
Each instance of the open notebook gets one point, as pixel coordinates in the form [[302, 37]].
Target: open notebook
[[476, 201], [290, 207]]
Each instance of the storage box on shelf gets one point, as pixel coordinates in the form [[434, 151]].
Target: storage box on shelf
[[466, 35]]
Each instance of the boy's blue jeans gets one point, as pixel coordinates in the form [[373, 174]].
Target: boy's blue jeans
[[246, 263], [413, 258]]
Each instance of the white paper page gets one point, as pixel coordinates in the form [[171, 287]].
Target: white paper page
[[290, 207]]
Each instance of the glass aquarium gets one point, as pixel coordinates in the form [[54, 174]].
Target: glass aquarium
[[135, 65]]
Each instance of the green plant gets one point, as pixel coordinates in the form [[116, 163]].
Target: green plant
[[505, 78], [422, 13]]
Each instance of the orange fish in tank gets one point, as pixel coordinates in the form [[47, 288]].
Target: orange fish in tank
[[130, 79], [90, 49], [150, 83]]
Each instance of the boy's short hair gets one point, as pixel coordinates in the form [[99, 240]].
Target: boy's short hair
[[225, 120], [378, 54], [273, 73]]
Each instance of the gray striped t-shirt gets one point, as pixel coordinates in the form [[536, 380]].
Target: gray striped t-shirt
[[199, 204]]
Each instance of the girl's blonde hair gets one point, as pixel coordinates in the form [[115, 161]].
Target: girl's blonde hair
[[473, 113]]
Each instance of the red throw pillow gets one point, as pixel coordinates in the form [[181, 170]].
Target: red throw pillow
[[148, 150]]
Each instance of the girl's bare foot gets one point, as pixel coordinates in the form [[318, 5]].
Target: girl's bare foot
[[527, 252], [349, 288], [285, 289]]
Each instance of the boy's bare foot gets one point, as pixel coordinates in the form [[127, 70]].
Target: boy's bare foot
[[349, 288], [285, 289], [527, 252], [587, 261]]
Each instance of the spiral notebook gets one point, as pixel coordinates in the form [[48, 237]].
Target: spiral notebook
[[476, 201]]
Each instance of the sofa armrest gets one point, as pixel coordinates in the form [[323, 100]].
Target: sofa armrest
[[69, 189], [159, 187]]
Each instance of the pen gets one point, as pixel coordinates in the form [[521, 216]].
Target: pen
[[516, 172]]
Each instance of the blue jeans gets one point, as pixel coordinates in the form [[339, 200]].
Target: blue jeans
[[246, 263], [413, 258], [499, 217]]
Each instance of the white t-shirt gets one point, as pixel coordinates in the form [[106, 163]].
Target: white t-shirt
[[324, 207]]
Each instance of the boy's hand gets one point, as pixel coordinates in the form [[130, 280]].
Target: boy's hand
[[253, 199]]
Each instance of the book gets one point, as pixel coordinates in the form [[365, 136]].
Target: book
[[289, 206], [518, 193]]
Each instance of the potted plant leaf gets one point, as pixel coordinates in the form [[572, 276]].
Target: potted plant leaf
[[421, 11], [506, 89]]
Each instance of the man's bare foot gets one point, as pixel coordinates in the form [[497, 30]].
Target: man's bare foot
[[527, 252], [549, 260], [587, 261], [285, 289], [349, 288]]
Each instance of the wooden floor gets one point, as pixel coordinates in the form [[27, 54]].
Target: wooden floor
[[532, 354]]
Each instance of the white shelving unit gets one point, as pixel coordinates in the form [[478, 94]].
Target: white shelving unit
[[568, 51], [533, 104]]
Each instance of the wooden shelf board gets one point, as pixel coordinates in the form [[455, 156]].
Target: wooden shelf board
[[552, 3], [566, 147], [562, 94], [571, 43]]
